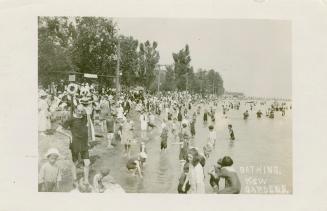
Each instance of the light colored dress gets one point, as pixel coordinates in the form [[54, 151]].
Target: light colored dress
[[196, 177], [127, 135], [144, 122], [43, 116], [212, 138]]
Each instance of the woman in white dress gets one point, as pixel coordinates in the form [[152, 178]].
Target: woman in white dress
[[43, 113], [196, 173]]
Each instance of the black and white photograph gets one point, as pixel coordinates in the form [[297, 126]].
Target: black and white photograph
[[164, 105]]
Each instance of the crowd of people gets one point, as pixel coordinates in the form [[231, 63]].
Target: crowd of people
[[74, 109]]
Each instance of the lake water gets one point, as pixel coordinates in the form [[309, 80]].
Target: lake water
[[262, 154]]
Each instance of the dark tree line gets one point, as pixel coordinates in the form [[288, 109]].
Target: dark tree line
[[90, 45]]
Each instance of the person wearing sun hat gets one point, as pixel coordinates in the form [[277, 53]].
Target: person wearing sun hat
[[50, 173]]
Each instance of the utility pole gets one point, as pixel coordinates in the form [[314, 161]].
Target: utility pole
[[159, 71], [186, 81], [117, 71]]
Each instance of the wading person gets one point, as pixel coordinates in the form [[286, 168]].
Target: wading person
[[127, 137], [196, 173], [207, 149], [144, 125], [78, 146], [184, 184], [164, 137], [192, 124], [180, 117], [104, 112], [205, 116], [110, 126], [135, 164], [246, 115], [231, 132], [259, 114], [98, 186]]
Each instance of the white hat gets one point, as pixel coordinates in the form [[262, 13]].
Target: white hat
[[143, 155], [52, 151], [42, 93]]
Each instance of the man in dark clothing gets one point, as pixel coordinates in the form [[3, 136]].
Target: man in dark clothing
[[78, 146]]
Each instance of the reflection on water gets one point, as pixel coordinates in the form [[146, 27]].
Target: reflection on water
[[259, 142]]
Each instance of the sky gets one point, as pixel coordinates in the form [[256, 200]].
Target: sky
[[252, 56]]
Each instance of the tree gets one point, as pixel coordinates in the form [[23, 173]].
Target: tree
[[169, 83], [55, 37], [129, 60], [148, 60], [182, 67], [95, 45]]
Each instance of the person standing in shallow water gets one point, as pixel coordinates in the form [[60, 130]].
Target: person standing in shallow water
[[135, 164], [205, 116], [164, 137], [246, 115], [231, 132], [192, 125], [196, 173], [259, 114]]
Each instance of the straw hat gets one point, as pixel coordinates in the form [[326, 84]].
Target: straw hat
[[52, 151]]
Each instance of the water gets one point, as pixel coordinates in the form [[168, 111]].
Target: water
[[262, 154]]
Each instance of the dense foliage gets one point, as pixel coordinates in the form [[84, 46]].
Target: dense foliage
[[91, 45]]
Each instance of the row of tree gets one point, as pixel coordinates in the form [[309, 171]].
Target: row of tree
[[91, 45], [181, 76]]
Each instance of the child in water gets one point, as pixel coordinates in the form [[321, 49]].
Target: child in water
[[259, 113], [164, 137], [143, 150], [82, 187], [207, 149], [127, 137], [110, 125], [135, 165], [184, 185], [246, 114], [50, 173], [142, 147], [231, 132], [98, 187]]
